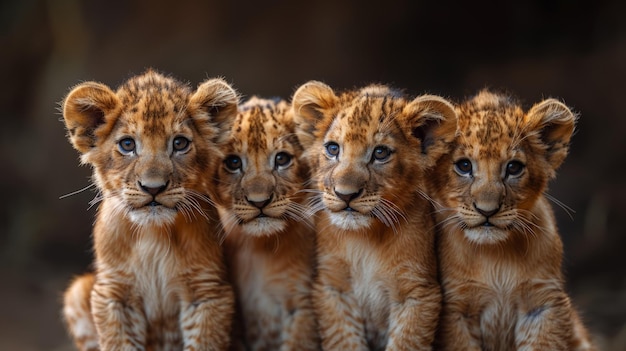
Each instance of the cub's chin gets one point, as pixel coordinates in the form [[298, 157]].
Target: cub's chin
[[486, 235], [263, 226], [350, 220], [152, 215]]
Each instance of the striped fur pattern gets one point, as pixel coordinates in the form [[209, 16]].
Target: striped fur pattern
[[269, 239], [369, 149], [499, 249], [160, 280]]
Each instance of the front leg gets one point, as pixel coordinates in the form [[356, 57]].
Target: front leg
[[549, 322], [413, 320], [459, 324], [118, 314], [341, 324], [207, 311], [300, 329], [77, 313]]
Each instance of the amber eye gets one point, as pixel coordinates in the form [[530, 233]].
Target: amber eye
[[233, 163], [126, 146], [514, 168], [282, 159], [463, 167], [181, 144], [381, 153], [332, 149]]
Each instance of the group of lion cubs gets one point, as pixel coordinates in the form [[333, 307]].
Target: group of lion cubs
[[356, 220]]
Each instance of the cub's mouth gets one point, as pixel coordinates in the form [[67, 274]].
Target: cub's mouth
[[486, 233], [153, 213], [263, 225]]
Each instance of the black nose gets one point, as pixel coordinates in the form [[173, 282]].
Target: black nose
[[260, 204], [153, 190], [348, 197], [487, 213]]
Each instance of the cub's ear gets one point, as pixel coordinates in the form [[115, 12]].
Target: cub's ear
[[431, 120], [86, 108], [309, 103], [214, 103], [554, 123]]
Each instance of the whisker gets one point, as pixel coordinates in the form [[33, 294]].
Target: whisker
[[308, 190], [383, 217], [393, 210], [314, 205], [296, 211], [193, 204], [435, 204], [201, 196], [77, 191], [101, 196], [309, 182], [451, 221], [183, 208], [559, 203], [529, 218], [229, 223]]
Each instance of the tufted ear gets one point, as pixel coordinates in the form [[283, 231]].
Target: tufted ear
[[214, 103], [88, 107], [431, 119], [554, 122], [308, 104]]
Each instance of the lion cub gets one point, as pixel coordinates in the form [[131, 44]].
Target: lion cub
[[377, 275], [270, 243], [160, 280], [499, 249]]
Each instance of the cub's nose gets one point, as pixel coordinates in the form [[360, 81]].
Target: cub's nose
[[487, 212], [153, 188], [348, 197], [260, 204]]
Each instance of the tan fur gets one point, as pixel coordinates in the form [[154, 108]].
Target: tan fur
[[77, 313], [270, 242], [160, 280], [499, 250], [377, 282]]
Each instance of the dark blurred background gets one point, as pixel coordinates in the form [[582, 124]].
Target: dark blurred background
[[572, 50]]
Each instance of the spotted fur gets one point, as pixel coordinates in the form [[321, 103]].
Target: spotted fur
[[160, 281], [269, 239], [369, 149], [499, 250]]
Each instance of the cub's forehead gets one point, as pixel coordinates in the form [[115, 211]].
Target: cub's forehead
[[367, 115], [261, 125], [490, 131], [264, 117], [152, 98]]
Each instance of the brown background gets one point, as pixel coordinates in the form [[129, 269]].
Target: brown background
[[572, 50]]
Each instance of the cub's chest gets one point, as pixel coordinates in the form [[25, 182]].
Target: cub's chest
[[155, 274], [496, 298], [370, 282], [371, 287], [250, 269]]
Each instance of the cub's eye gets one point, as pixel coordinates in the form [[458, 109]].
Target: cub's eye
[[332, 149], [514, 168], [126, 146], [381, 153], [463, 167], [181, 144], [233, 163], [282, 159]]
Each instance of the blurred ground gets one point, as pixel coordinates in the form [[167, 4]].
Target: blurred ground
[[572, 50]]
